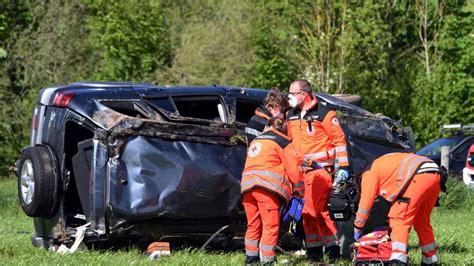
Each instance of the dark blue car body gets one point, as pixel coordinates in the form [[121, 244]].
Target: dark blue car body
[[139, 162]]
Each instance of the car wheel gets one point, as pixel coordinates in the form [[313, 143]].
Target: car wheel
[[37, 182], [350, 98]]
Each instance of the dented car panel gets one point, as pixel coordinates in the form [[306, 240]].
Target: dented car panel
[[170, 170], [370, 137], [139, 161], [157, 178]]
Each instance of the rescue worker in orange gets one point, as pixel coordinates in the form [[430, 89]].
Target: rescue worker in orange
[[316, 133], [275, 104], [271, 173], [386, 177]]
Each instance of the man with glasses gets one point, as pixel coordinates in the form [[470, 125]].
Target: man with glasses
[[316, 133]]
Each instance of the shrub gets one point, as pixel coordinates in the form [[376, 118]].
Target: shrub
[[458, 196]]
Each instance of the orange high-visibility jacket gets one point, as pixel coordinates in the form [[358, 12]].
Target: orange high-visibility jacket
[[386, 177], [318, 134], [273, 164], [257, 123]]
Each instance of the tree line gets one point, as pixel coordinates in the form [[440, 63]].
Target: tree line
[[409, 59]]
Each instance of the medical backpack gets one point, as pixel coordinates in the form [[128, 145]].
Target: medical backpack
[[343, 201]]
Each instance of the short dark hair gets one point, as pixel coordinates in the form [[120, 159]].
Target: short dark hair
[[304, 84], [276, 98]]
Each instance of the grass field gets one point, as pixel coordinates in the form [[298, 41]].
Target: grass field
[[453, 225]]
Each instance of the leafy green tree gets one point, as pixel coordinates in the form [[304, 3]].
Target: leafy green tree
[[272, 37], [214, 47], [131, 40], [14, 17], [382, 42], [446, 93], [347, 47], [50, 49]]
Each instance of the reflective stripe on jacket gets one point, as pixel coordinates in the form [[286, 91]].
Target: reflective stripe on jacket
[[386, 177], [257, 123], [318, 134], [273, 164]]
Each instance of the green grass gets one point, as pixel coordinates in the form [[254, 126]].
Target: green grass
[[454, 229]]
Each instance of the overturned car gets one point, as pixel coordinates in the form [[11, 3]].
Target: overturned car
[[137, 162]]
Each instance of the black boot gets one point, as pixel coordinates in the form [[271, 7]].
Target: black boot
[[315, 254], [250, 260], [333, 252]]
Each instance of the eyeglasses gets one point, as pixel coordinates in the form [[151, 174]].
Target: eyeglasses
[[295, 93]]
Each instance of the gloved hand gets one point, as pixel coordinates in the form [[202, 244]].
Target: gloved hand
[[308, 166], [316, 166], [341, 175], [357, 235]]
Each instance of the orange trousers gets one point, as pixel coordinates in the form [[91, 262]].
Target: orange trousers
[[263, 223], [319, 229], [422, 194]]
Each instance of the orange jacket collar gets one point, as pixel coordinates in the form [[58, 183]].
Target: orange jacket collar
[[262, 111], [280, 134], [312, 104]]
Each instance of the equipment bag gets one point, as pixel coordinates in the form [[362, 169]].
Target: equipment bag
[[374, 247], [294, 210], [343, 201], [291, 221]]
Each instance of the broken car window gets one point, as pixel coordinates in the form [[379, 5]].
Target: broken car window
[[246, 109], [130, 108], [203, 107], [163, 103]]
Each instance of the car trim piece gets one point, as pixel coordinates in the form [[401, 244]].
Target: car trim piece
[[39, 130], [98, 177], [33, 130], [47, 94]]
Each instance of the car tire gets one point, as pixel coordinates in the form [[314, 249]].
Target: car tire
[[38, 182], [350, 98]]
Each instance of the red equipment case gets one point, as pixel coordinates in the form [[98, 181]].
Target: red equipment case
[[373, 249]]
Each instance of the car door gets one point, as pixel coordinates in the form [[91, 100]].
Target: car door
[[458, 156]]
